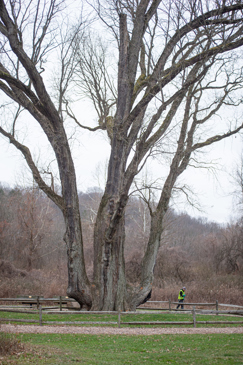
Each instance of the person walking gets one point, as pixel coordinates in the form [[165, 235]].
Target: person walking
[[181, 297]]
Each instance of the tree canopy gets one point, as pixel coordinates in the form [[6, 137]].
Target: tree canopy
[[178, 65]]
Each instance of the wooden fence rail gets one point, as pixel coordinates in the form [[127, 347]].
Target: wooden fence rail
[[61, 301], [171, 303], [38, 300], [119, 322]]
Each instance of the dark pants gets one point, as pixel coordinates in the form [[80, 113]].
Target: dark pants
[[182, 306]]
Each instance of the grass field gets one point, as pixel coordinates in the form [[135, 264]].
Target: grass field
[[56, 349]]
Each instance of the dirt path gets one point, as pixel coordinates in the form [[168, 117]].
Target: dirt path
[[116, 331]]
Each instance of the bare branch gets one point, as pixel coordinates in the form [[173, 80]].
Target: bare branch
[[27, 155]]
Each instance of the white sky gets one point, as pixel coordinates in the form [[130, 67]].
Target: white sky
[[213, 190]]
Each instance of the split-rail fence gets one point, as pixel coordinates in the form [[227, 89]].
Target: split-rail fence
[[34, 305]]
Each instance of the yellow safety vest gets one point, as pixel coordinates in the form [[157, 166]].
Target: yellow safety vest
[[181, 294]]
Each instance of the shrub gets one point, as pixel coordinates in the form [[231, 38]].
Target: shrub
[[9, 345]]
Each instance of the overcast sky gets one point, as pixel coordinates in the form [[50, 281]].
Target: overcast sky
[[212, 190]]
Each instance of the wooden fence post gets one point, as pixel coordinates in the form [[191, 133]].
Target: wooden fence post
[[169, 305], [217, 308], [194, 317], [40, 315], [119, 318], [60, 302], [38, 302]]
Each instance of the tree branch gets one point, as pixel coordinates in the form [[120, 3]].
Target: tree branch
[[58, 200]]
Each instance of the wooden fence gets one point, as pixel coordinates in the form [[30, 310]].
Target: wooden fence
[[167, 305], [38, 301], [62, 302]]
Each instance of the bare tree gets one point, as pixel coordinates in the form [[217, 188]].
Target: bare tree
[[176, 69], [237, 182], [23, 84], [231, 252], [34, 219], [162, 101]]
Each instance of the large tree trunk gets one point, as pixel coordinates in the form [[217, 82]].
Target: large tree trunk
[[109, 288], [78, 283]]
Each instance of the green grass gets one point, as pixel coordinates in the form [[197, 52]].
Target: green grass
[[181, 317], [56, 349]]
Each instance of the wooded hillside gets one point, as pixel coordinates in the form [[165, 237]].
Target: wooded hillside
[[204, 256]]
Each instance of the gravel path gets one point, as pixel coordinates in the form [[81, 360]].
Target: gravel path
[[116, 331]]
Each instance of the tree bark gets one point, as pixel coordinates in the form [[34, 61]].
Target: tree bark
[[109, 284], [78, 283], [109, 287]]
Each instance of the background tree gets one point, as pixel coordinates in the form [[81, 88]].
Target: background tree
[[22, 82], [192, 251], [176, 69], [4, 219], [33, 223], [237, 182]]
